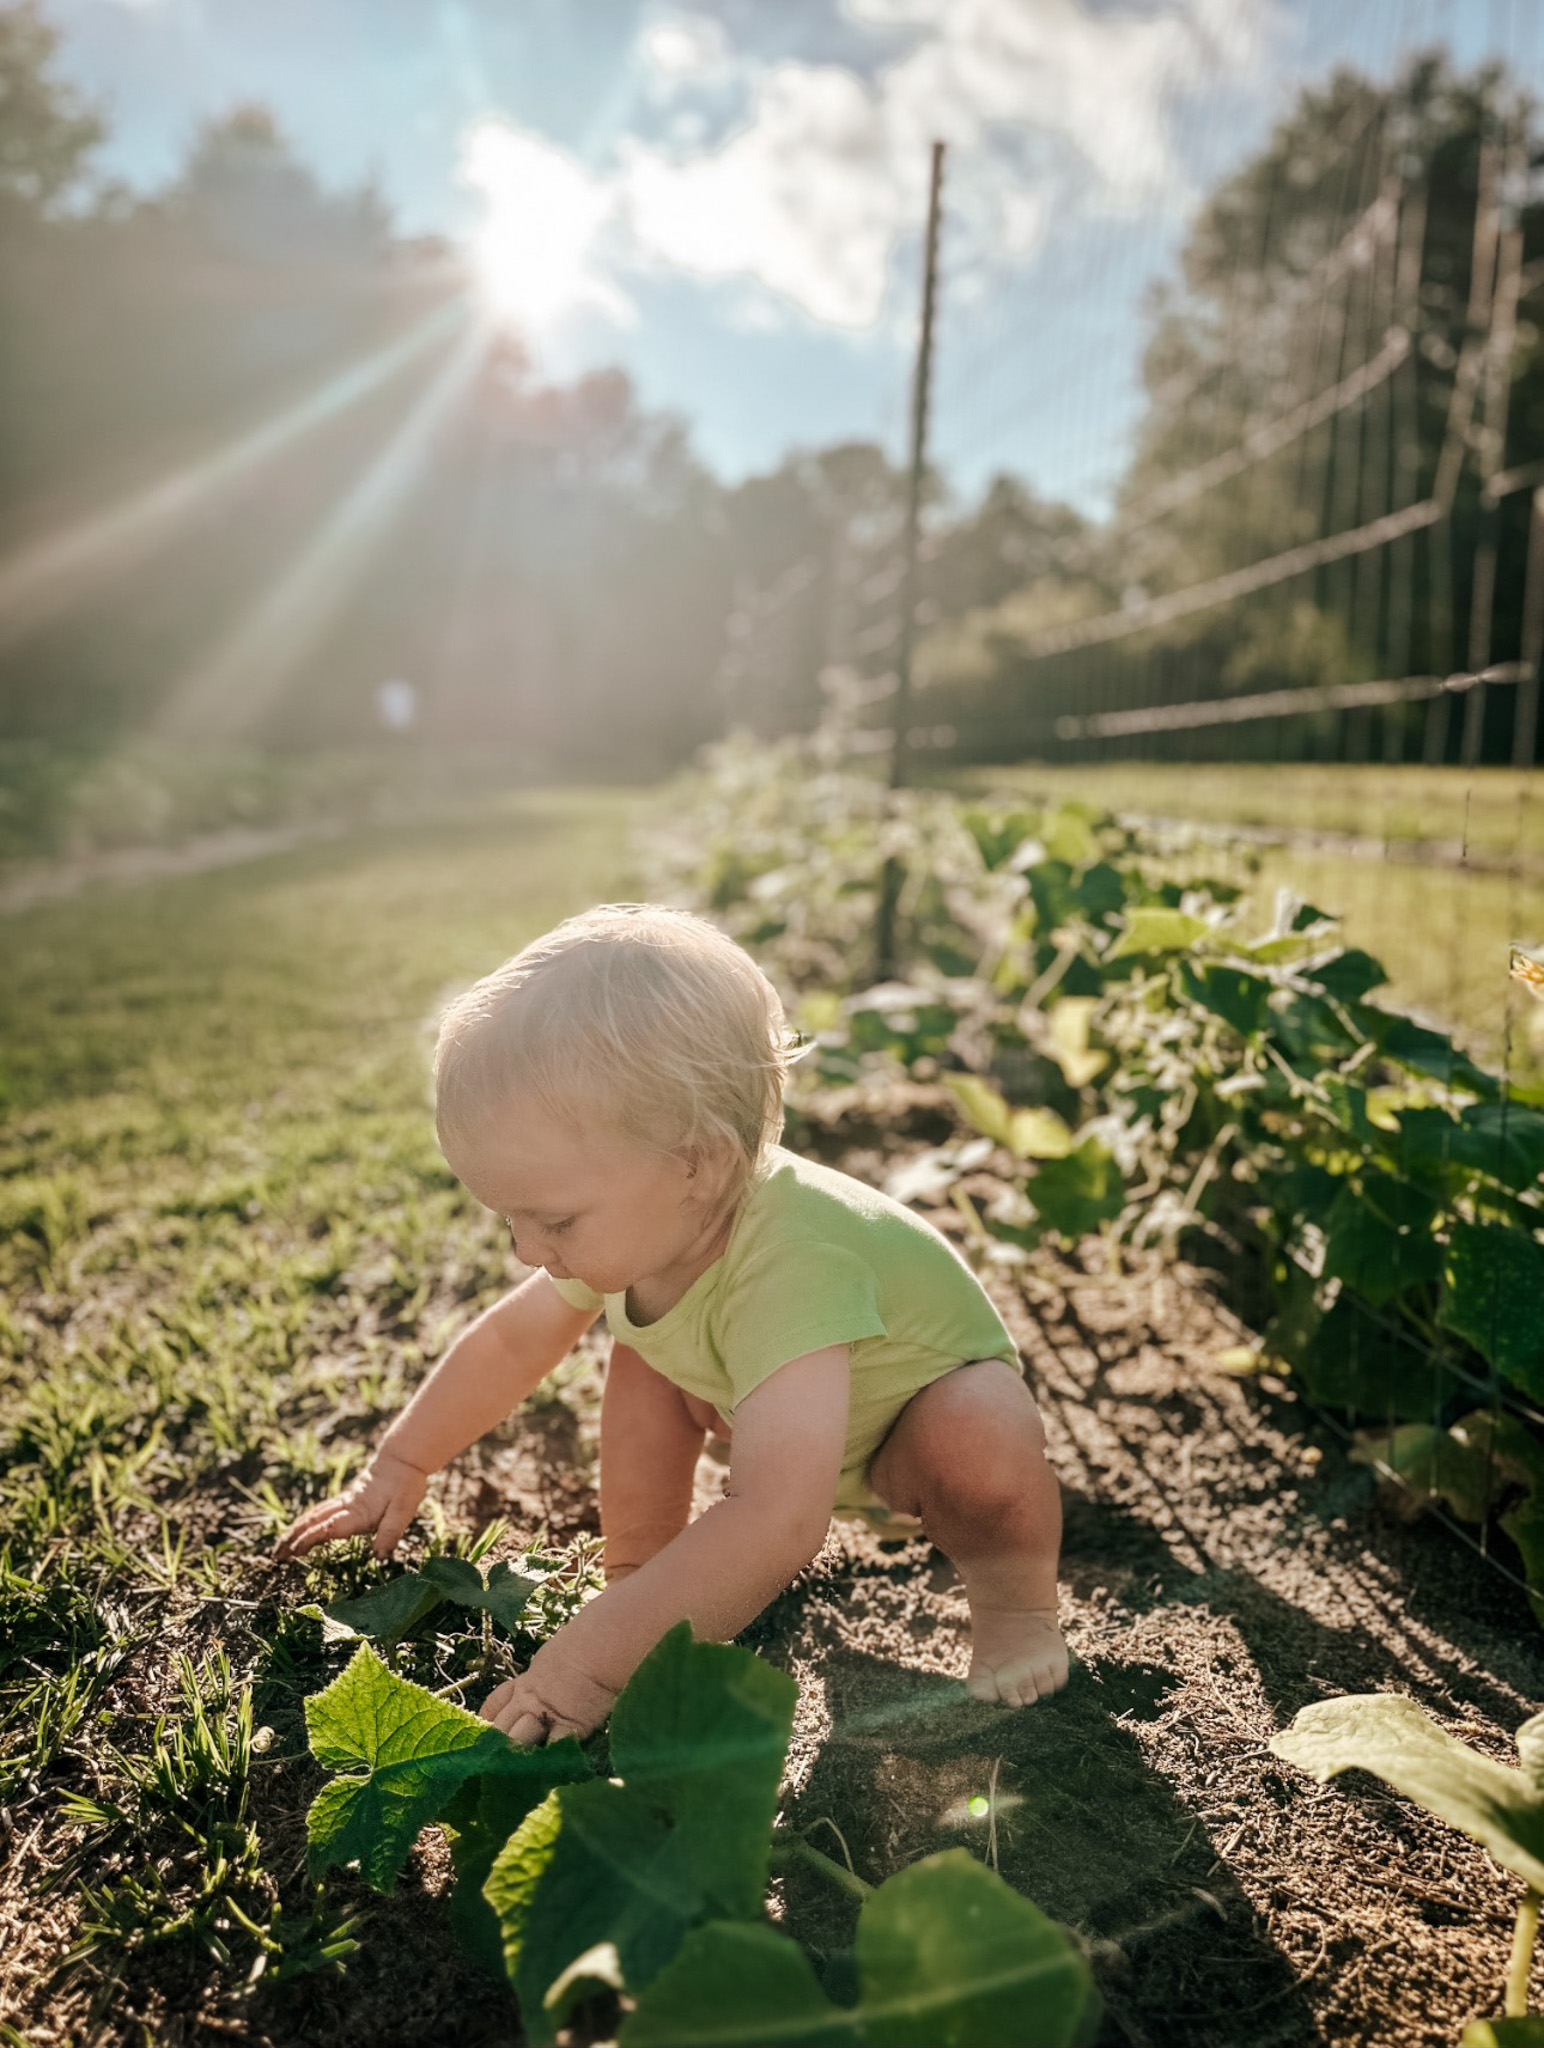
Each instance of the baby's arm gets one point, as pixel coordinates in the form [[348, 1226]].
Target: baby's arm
[[719, 1573], [488, 1371]]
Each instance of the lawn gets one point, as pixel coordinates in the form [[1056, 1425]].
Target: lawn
[[227, 1244], [1444, 931]]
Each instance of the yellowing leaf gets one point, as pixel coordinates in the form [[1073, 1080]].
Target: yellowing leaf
[[1390, 1736], [1153, 928], [1068, 1023], [1028, 1133]]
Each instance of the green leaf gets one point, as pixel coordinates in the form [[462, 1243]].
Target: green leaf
[[699, 1736], [1389, 1735], [1077, 1194], [1347, 975], [1349, 1109], [387, 1612], [1525, 2031], [945, 1953], [1364, 1363], [517, 1869], [1067, 834], [702, 1730], [1154, 929], [1494, 1298], [1239, 999], [738, 1987], [392, 1611], [1028, 1133], [999, 833], [1100, 892], [1436, 1462], [407, 1753], [1312, 1030], [617, 1872], [1428, 1052], [504, 1596], [1501, 1140], [481, 1818], [1525, 1525], [1379, 1254]]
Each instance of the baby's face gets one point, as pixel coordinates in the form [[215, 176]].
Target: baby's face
[[590, 1205]]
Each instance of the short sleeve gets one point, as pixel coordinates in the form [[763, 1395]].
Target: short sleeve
[[799, 1298], [576, 1294]]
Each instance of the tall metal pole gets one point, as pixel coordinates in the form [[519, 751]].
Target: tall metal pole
[[922, 377]]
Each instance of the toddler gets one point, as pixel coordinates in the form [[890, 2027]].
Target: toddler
[[615, 1093]]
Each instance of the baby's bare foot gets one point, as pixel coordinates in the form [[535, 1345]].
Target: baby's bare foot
[[1017, 1654]]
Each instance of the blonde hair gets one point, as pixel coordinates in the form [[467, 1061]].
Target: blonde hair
[[649, 1019]]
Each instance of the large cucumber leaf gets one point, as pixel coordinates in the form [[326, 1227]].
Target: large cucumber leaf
[[602, 1864], [698, 1735], [1495, 1299], [946, 1953], [702, 1731], [406, 1755], [1389, 1735], [1378, 1238]]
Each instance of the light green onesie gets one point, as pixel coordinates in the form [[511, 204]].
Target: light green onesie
[[816, 1258]]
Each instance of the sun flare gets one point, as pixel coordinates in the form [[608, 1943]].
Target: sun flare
[[544, 210]]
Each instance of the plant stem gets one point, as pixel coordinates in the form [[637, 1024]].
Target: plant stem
[[1523, 1937], [791, 1847]]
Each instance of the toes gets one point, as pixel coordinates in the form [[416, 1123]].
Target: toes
[[1018, 1685]]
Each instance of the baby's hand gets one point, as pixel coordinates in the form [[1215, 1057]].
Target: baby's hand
[[384, 1498], [546, 1701]]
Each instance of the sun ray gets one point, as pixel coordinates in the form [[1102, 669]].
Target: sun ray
[[224, 693], [45, 575]]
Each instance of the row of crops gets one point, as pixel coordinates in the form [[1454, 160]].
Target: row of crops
[[1139, 1061]]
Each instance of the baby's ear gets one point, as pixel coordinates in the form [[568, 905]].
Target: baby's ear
[[710, 1164]]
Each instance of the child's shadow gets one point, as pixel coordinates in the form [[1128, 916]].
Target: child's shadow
[[1060, 1799]]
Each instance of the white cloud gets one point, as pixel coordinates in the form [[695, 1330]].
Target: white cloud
[[1048, 107], [809, 198], [804, 199]]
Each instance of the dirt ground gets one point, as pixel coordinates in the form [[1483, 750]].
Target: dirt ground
[[1224, 1565]]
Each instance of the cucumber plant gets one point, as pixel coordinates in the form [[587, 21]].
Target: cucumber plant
[[1132, 1059], [650, 1882]]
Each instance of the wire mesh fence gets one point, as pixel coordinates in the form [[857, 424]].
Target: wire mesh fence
[[1306, 639]]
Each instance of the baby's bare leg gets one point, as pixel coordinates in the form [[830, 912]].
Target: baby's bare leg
[[649, 1445], [967, 1455]]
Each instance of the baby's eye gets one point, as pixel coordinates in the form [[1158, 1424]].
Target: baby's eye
[[563, 1223]]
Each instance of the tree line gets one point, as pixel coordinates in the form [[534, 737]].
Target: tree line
[[243, 480]]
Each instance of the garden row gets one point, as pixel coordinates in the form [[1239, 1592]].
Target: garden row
[[1133, 1061]]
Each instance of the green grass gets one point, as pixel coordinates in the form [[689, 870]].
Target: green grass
[[1500, 810], [1444, 934], [227, 1246]]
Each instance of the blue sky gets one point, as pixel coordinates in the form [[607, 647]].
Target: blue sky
[[725, 197]]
